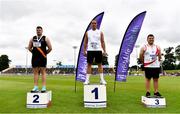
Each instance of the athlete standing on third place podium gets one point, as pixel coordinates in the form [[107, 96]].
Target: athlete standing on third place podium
[[37, 46], [93, 45], [150, 56]]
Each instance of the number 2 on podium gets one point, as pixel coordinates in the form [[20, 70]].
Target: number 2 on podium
[[95, 90], [36, 98]]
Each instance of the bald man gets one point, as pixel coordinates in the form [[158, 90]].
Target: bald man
[[94, 49]]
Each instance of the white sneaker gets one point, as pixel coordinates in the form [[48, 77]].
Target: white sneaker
[[86, 82], [103, 82]]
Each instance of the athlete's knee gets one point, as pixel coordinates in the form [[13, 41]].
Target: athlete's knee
[[100, 65], [89, 65], [155, 79]]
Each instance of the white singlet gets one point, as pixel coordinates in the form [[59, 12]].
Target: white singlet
[[94, 40], [151, 56]]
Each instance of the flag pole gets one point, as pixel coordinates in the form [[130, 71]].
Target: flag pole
[[75, 85], [114, 85]]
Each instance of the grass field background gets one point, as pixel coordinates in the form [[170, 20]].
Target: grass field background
[[126, 99]]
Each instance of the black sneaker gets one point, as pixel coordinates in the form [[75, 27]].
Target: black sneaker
[[148, 94], [34, 91], [43, 91], [157, 94]]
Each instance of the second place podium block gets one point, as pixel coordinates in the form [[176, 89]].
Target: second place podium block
[[39, 100]]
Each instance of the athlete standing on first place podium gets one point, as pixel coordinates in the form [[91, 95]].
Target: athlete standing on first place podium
[[93, 45], [37, 46], [150, 56]]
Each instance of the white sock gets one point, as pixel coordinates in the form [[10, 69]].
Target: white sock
[[101, 76], [87, 76]]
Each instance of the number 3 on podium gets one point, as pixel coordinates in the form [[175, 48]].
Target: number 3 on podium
[[157, 102]]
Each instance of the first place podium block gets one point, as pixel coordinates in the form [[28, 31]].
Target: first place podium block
[[39, 100], [95, 96], [154, 102]]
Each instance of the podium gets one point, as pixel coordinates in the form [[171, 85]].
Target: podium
[[39, 100], [95, 96], [154, 102]]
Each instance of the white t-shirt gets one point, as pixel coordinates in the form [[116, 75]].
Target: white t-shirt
[[151, 56], [94, 40]]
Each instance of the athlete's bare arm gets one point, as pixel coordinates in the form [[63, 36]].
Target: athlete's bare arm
[[159, 55], [103, 42], [141, 55], [48, 45], [30, 45]]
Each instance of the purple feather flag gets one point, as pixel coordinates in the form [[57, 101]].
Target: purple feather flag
[[127, 46], [82, 60]]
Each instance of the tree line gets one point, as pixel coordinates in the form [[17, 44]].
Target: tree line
[[171, 60], [4, 62]]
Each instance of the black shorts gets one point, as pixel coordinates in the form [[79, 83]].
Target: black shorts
[[152, 73], [39, 62], [94, 56]]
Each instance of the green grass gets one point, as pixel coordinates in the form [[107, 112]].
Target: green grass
[[126, 99], [172, 71]]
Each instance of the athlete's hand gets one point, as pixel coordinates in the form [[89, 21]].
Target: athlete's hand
[[105, 54], [85, 53]]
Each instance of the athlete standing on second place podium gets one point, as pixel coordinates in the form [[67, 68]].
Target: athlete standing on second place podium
[[93, 45], [37, 46]]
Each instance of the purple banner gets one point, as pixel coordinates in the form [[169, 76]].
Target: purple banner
[[127, 46], [82, 60]]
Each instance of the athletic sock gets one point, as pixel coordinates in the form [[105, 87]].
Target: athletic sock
[[87, 77], [101, 76]]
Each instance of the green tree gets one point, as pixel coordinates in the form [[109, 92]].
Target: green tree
[[4, 62], [59, 63], [170, 59], [177, 52]]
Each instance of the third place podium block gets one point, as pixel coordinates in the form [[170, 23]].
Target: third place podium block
[[154, 102], [39, 100], [95, 96]]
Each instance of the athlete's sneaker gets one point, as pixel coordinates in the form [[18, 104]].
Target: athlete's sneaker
[[157, 94], [103, 82], [86, 82], [43, 90], [35, 89], [148, 94]]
